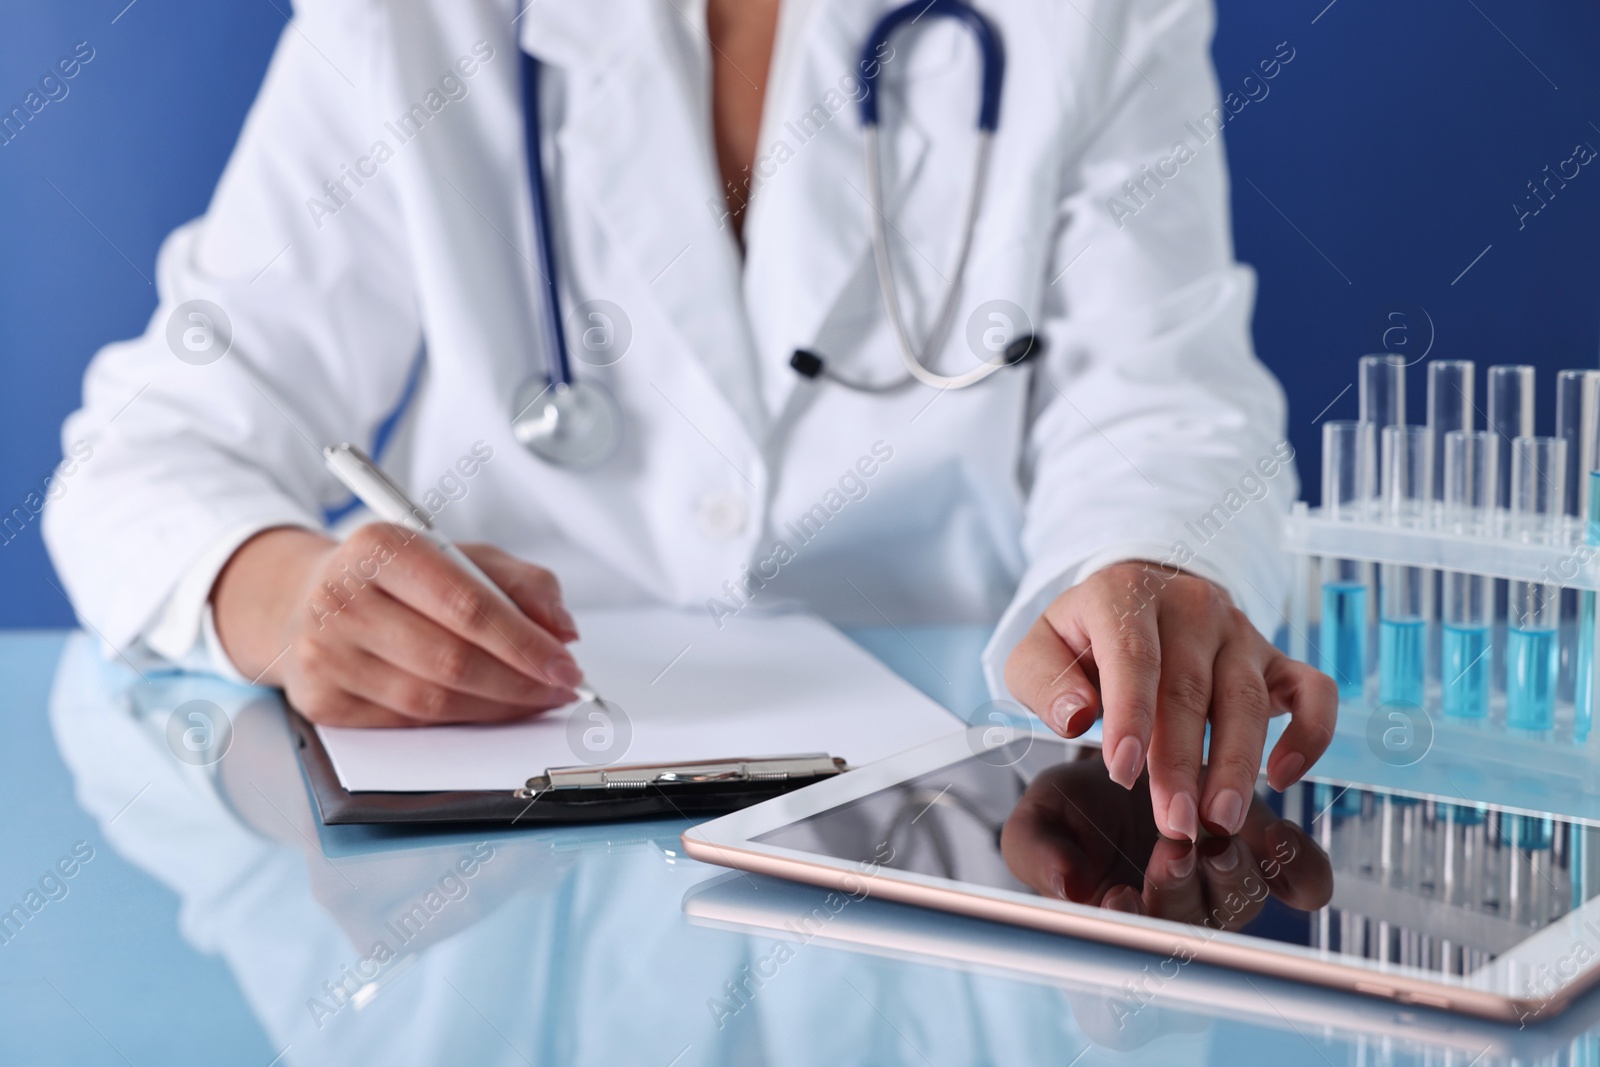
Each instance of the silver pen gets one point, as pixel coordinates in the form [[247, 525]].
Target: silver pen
[[389, 503]]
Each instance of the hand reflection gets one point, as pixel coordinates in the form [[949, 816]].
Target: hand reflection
[[1076, 835]]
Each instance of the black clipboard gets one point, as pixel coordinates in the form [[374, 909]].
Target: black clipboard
[[565, 794]]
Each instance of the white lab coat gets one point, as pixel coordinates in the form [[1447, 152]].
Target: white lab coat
[[1146, 411]]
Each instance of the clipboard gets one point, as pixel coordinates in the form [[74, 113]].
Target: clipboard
[[565, 795]]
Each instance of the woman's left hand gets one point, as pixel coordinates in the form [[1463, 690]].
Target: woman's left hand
[[1159, 653]]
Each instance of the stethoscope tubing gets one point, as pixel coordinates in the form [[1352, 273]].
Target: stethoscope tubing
[[555, 342], [909, 356]]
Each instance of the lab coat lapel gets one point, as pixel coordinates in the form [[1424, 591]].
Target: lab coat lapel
[[636, 146], [809, 228]]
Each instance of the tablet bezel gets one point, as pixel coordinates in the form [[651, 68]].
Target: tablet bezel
[[1488, 992]]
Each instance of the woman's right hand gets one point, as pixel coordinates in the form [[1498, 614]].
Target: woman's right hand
[[382, 629]]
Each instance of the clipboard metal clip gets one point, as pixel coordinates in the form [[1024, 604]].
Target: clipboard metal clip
[[815, 765]]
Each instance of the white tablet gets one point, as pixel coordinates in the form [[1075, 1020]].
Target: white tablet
[[1420, 899]]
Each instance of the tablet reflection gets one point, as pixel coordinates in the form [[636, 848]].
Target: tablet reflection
[[1115, 858]]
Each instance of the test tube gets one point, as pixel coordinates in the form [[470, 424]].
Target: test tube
[[1577, 407], [1450, 408], [1538, 491], [1470, 461], [1382, 389], [1407, 591], [1584, 685], [1510, 417], [1347, 469], [1578, 424]]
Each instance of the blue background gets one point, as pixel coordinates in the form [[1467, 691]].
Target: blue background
[[1385, 158]]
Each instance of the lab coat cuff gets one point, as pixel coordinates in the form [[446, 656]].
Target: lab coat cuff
[[1029, 605], [184, 632]]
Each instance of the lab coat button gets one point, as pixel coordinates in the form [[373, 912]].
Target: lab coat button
[[722, 515]]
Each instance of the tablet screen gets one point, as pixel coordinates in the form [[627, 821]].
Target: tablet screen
[[1421, 882]]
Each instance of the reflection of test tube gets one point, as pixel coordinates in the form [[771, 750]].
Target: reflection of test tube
[[1407, 591], [1578, 423], [1347, 467], [1538, 473], [1468, 607], [1510, 417], [1450, 408]]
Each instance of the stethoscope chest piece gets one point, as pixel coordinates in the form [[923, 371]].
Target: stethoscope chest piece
[[576, 426]]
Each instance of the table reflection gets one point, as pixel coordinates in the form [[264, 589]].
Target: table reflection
[[571, 946]]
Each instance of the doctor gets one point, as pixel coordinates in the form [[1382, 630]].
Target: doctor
[[370, 270]]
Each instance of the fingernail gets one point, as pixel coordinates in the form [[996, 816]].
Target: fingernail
[[1224, 861], [1286, 771], [1058, 885], [1062, 712], [1126, 762], [1226, 812], [1182, 819], [565, 672], [565, 620], [1122, 899], [1182, 867]]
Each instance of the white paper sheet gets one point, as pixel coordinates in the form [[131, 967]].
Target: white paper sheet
[[770, 686]]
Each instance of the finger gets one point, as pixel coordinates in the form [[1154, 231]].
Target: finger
[[1171, 883], [1312, 700], [334, 707], [1123, 898], [1039, 849], [1295, 867], [1048, 677], [383, 627], [417, 574], [534, 589], [1240, 709], [1235, 890], [1127, 656], [1179, 736], [382, 683]]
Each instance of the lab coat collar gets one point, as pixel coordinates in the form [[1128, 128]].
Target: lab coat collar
[[636, 144], [811, 219]]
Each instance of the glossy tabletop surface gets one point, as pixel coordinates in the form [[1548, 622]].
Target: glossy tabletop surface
[[179, 913]]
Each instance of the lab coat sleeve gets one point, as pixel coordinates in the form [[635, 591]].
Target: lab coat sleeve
[[1155, 433], [206, 430]]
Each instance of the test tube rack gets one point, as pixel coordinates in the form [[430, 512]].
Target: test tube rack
[[1566, 757]]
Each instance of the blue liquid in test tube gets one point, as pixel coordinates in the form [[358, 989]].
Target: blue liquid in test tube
[[1348, 468], [1469, 467], [1532, 660], [1578, 423], [1407, 591], [1344, 635], [1583, 690], [1402, 660], [1533, 609], [1464, 671]]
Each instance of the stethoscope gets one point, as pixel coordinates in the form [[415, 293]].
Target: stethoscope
[[577, 424]]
